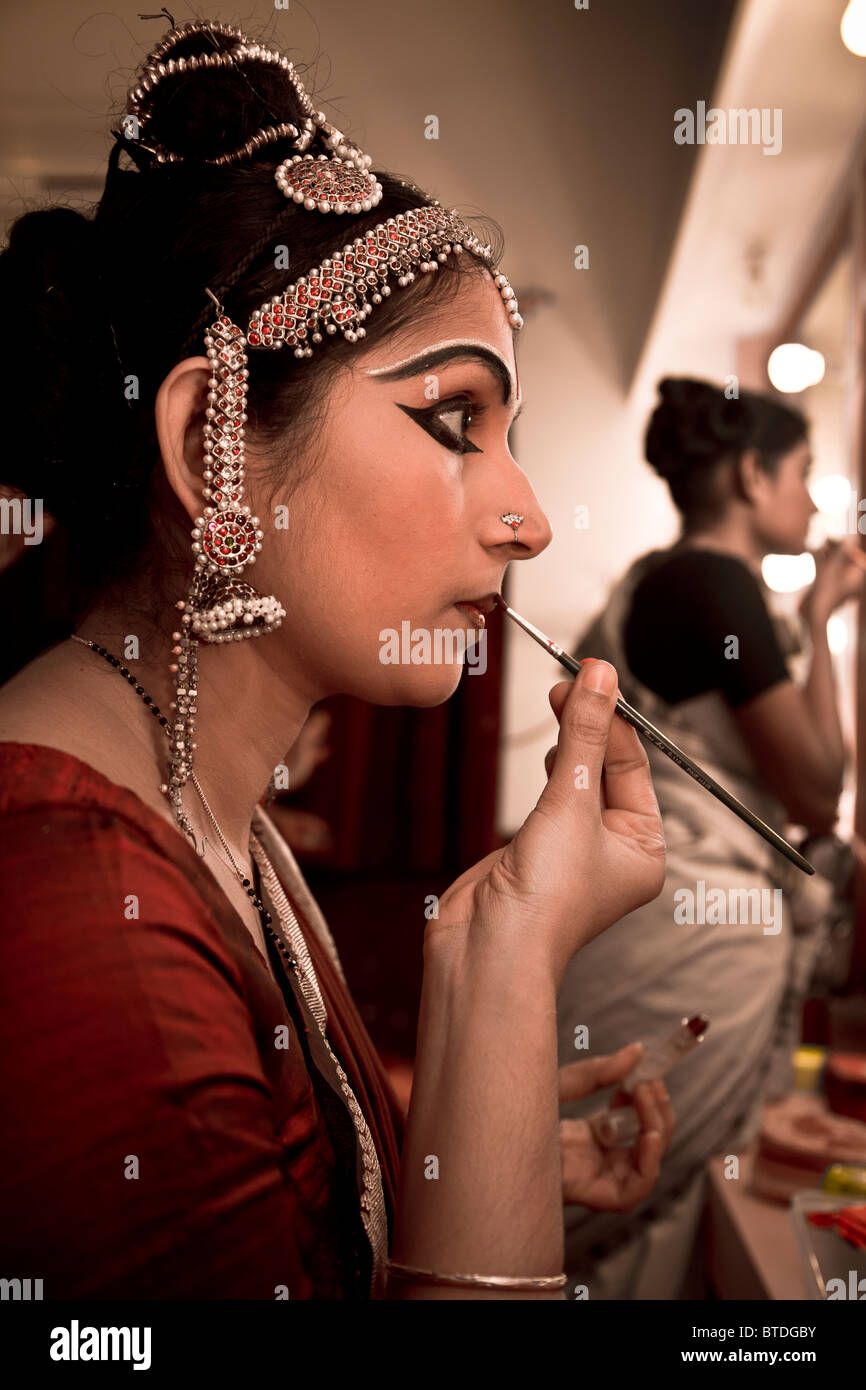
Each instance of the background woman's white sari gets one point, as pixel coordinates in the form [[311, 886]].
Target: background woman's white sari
[[649, 970]]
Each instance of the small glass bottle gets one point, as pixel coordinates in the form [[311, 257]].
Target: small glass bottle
[[621, 1125]]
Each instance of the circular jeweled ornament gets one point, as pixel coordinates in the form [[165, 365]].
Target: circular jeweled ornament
[[228, 540], [328, 184]]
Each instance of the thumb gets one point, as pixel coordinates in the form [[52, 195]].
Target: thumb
[[584, 708]]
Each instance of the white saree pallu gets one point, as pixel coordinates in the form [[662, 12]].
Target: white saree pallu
[[718, 940]]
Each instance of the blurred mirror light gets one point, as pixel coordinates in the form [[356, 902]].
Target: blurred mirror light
[[794, 367], [785, 574], [831, 494], [853, 28]]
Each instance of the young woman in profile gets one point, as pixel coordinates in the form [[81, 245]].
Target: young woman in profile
[[698, 652], [195, 1109]]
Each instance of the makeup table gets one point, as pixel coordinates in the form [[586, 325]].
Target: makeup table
[[751, 1249]]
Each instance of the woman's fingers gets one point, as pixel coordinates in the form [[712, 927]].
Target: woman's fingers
[[657, 1115], [669, 1119], [627, 781], [648, 1160], [657, 1124], [585, 719], [627, 777], [645, 1102], [653, 1105]]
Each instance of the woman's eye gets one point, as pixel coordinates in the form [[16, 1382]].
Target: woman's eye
[[433, 421], [459, 413], [462, 415]]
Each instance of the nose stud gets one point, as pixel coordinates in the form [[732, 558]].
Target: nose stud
[[514, 520]]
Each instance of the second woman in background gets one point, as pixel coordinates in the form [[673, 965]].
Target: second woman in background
[[698, 652]]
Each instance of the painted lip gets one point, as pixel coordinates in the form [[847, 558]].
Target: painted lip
[[483, 605]]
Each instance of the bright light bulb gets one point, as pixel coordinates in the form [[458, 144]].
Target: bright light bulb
[[853, 28], [831, 494], [785, 574], [794, 367]]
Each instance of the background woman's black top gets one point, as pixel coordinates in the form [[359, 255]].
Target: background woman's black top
[[684, 614]]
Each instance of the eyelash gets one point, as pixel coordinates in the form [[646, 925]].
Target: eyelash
[[445, 436]]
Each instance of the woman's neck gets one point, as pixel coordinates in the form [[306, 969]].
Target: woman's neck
[[730, 536], [248, 713]]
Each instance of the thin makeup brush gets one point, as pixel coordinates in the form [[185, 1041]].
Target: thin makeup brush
[[676, 755]]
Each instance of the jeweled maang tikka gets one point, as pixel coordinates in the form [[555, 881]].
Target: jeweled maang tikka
[[336, 296]]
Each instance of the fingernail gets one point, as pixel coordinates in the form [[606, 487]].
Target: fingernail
[[600, 676]]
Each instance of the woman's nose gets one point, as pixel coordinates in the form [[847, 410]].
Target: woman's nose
[[534, 533]]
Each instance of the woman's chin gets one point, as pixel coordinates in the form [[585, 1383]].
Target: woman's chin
[[422, 686], [785, 545]]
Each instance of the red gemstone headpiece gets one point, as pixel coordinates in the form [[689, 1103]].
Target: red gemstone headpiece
[[335, 297]]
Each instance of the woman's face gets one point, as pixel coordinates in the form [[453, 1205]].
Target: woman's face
[[401, 516], [783, 505]]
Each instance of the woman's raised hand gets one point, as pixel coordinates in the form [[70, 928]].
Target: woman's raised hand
[[591, 850], [838, 577]]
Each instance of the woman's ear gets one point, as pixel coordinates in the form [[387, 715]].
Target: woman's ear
[[179, 413], [751, 478]]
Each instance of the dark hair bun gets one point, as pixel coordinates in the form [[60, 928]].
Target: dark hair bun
[[696, 428], [694, 424], [203, 113], [59, 370]]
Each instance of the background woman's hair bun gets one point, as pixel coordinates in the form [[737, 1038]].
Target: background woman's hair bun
[[697, 427], [695, 423]]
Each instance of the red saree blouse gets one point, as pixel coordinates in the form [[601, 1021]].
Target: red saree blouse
[[157, 1142]]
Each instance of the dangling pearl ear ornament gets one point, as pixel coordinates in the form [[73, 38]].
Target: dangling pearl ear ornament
[[514, 520], [226, 538]]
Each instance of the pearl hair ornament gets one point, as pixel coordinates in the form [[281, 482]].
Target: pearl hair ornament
[[243, 52]]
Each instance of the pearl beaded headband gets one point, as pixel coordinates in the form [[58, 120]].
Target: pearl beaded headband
[[336, 296]]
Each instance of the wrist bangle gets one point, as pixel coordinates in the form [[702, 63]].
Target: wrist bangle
[[530, 1284]]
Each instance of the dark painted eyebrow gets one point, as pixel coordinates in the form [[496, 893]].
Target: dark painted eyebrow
[[426, 362]]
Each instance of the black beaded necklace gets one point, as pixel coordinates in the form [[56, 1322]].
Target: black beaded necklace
[[130, 676]]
